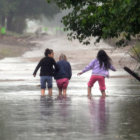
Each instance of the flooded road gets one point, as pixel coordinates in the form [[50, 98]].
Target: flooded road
[[25, 115]]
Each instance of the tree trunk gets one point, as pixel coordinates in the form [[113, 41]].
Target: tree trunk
[[16, 24], [19, 24], [3, 21], [9, 22]]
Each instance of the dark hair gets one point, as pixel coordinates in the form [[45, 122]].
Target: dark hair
[[104, 59], [51, 50], [47, 51]]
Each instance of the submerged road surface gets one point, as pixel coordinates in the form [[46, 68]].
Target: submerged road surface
[[25, 115]]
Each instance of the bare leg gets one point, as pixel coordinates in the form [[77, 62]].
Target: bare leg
[[103, 93], [60, 92], [64, 92], [89, 92], [50, 91], [42, 92]]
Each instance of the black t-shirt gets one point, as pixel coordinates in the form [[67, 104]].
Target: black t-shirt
[[48, 67]]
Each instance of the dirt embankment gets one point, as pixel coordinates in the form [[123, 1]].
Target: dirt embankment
[[11, 46]]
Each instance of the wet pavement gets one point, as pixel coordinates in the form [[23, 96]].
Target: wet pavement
[[25, 115]]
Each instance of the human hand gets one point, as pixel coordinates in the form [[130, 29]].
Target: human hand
[[78, 74], [34, 75]]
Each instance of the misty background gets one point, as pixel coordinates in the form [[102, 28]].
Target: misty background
[[31, 16]]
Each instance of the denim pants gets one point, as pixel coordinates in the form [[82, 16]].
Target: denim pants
[[46, 80]]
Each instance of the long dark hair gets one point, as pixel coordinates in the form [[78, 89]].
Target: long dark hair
[[104, 59]]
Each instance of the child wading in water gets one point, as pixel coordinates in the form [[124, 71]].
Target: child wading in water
[[47, 71], [100, 69], [63, 75]]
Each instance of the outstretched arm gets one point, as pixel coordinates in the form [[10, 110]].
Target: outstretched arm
[[88, 67], [112, 68]]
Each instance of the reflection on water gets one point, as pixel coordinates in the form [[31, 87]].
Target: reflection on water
[[64, 108], [28, 116], [98, 115], [46, 106]]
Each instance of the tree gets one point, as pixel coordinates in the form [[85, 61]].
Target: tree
[[103, 19], [17, 11]]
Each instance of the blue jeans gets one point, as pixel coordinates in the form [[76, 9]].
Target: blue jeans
[[44, 80]]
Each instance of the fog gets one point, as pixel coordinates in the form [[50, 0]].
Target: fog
[[46, 24]]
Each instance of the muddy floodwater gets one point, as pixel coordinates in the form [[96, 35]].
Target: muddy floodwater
[[25, 115]]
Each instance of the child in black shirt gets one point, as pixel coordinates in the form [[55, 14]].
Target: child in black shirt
[[47, 67]]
